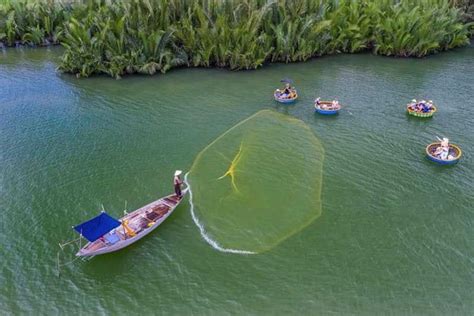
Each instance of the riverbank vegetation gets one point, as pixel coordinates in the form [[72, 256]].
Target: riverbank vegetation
[[149, 36], [31, 22], [467, 9]]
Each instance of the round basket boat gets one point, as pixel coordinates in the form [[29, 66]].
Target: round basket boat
[[279, 97], [412, 112], [328, 108], [454, 151]]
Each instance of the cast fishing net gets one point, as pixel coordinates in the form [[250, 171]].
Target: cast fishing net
[[258, 183]]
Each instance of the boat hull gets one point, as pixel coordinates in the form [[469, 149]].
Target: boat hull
[[86, 251], [326, 112], [421, 114], [329, 111], [453, 149], [285, 100]]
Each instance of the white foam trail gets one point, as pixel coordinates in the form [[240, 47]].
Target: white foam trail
[[214, 244]]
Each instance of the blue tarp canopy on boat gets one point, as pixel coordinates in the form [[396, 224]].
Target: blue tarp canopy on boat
[[96, 227]]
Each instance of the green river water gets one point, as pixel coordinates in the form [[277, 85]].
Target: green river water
[[395, 234]]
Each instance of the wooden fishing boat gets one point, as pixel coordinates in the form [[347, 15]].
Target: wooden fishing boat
[[326, 108], [454, 155], [413, 112], [106, 234], [279, 97]]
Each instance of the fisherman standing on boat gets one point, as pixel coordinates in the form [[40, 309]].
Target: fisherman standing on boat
[[177, 183]]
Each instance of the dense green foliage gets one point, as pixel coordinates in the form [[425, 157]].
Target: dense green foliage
[[146, 36], [467, 9], [31, 22], [408, 30]]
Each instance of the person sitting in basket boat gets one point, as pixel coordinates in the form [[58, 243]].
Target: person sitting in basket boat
[[423, 106], [177, 183], [318, 101], [442, 151], [419, 106], [288, 92], [429, 105], [444, 142]]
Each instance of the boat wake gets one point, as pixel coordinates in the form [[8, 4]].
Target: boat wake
[[214, 244]]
